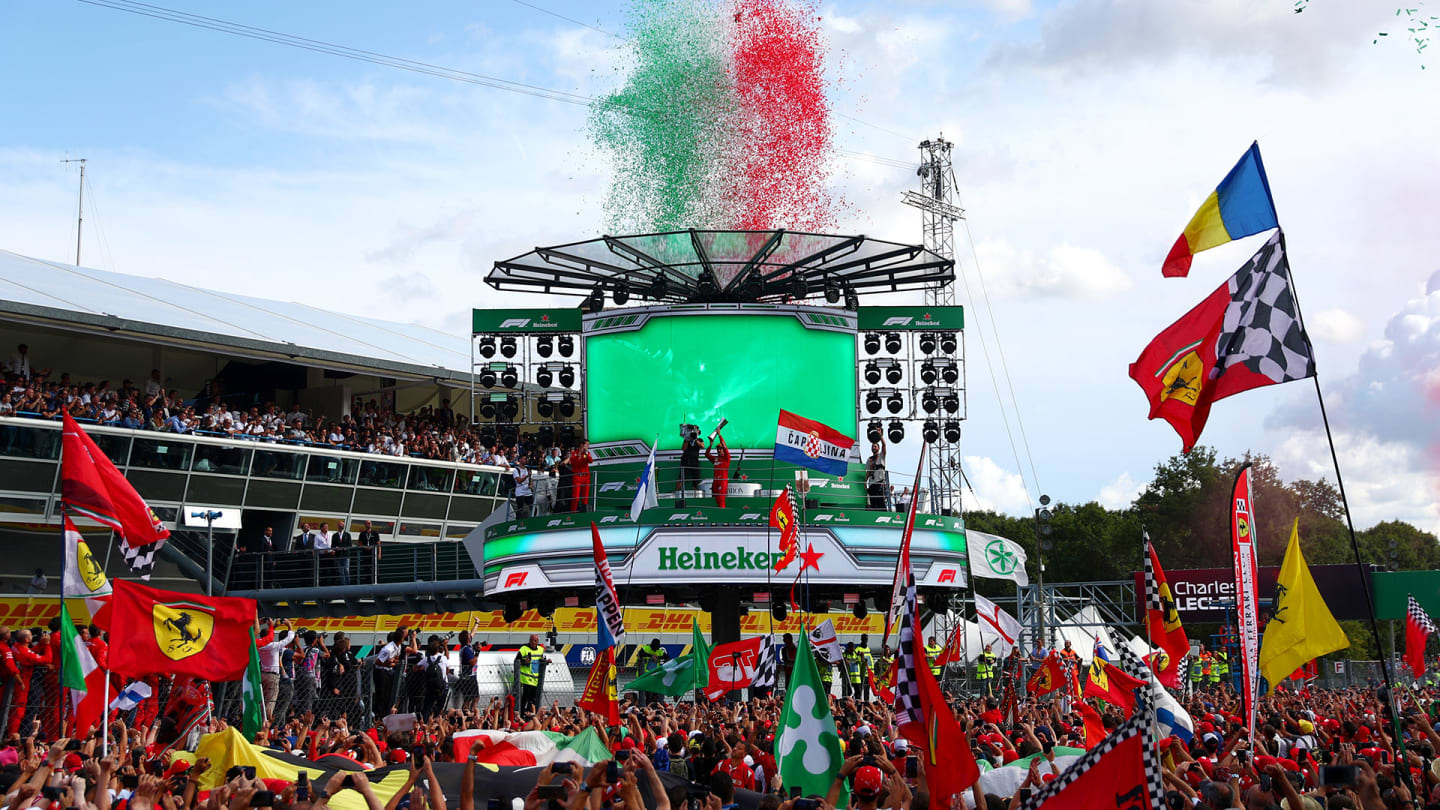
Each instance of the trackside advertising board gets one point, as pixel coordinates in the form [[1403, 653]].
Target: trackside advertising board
[[1201, 594]]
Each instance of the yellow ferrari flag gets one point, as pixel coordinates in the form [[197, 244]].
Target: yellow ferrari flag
[[1301, 626]]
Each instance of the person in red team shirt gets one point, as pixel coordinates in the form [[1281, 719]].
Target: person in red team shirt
[[719, 455], [26, 661], [580, 459]]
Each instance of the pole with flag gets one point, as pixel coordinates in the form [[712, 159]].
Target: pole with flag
[[898, 588], [1242, 534], [599, 695]]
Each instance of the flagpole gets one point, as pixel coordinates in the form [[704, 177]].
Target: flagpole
[[1349, 521], [105, 717]]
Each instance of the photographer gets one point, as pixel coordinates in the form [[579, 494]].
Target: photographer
[[690, 447], [719, 455]]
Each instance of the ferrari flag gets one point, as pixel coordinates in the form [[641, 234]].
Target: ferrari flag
[[1246, 334], [91, 486], [811, 444], [1162, 620], [155, 632], [1121, 771], [1418, 630], [1110, 683], [782, 517], [1048, 678], [599, 695]]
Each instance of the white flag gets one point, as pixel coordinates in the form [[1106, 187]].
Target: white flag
[[134, 693], [645, 495], [823, 638], [997, 628], [84, 577], [995, 557]]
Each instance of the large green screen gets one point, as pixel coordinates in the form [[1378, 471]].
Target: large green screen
[[699, 369]]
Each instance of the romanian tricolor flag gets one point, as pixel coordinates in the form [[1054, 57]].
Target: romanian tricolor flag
[[1240, 206]]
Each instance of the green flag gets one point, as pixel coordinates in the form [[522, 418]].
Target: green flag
[[808, 746], [674, 677], [252, 695], [700, 651]]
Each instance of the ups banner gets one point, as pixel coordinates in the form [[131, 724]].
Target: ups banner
[[1203, 594], [522, 321], [903, 319]]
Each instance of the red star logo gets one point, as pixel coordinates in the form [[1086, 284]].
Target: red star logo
[[547, 317], [810, 558], [699, 514], [743, 476], [927, 316]]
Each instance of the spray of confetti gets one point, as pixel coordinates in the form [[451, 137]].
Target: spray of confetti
[[722, 120]]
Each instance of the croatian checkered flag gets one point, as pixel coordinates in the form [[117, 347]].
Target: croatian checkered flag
[[766, 666], [908, 707], [1418, 630], [1262, 330]]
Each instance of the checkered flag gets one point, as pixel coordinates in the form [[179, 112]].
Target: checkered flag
[[141, 559], [1418, 630], [1152, 782], [1135, 667], [766, 666], [1152, 588], [1262, 330], [908, 708]]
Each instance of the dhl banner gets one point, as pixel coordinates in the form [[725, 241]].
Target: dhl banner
[[36, 611]]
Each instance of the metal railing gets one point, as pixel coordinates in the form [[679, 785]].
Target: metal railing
[[440, 561]]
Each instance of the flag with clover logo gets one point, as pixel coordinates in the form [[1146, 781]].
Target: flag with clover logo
[[808, 747], [994, 557], [678, 676]]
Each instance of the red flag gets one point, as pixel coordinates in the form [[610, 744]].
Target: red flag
[[1245, 335], [1048, 678], [157, 632], [950, 767], [599, 694], [1111, 684], [880, 687], [953, 652], [732, 666], [1094, 724], [1121, 771], [782, 517], [1162, 620], [91, 486], [1418, 629]]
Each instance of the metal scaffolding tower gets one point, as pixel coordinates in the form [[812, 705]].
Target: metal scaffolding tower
[[939, 213]]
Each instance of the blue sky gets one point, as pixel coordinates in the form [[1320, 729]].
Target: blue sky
[[1086, 133]]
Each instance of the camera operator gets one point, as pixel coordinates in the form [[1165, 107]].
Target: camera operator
[[876, 480], [719, 455], [690, 448]]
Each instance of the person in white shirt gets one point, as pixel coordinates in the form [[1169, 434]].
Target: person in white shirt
[[524, 495], [20, 362], [153, 386], [270, 661], [322, 537]]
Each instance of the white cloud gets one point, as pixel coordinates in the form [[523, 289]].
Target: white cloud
[[1336, 326], [1121, 492], [1063, 271], [1384, 480], [996, 488]]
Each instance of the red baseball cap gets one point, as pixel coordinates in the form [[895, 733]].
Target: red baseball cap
[[868, 780]]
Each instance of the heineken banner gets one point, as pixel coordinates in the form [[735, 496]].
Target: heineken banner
[[557, 319], [901, 319], [713, 546]]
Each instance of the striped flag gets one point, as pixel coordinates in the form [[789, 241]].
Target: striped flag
[[134, 693], [82, 676]]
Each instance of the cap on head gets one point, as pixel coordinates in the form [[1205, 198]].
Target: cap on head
[[868, 781]]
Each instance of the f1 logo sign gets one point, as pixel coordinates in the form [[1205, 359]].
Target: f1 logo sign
[[894, 320], [518, 323], [948, 575], [515, 579]]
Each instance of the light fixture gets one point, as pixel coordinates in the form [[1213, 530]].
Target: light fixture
[[545, 345], [546, 409], [621, 295], [487, 410], [952, 431], [544, 376], [949, 342], [892, 342], [832, 292], [706, 285], [659, 288], [510, 376], [950, 373], [874, 431], [510, 407], [872, 342], [567, 406], [596, 300], [872, 402], [895, 402], [567, 345], [927, 373], [929, 402], [567, 375], [852, 299], [952, 403], [798, 288], [930, 431], [872, 373], [507, 346], [897, 431], [487, 376], [927, 343], [894, 374], [487, 347]]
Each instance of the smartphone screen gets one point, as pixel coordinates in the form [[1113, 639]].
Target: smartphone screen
[[912, 767]]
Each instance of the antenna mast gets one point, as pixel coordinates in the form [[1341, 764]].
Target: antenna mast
[[80, 209]]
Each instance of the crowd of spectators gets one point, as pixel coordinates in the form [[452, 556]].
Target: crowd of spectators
[[430, 432]]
